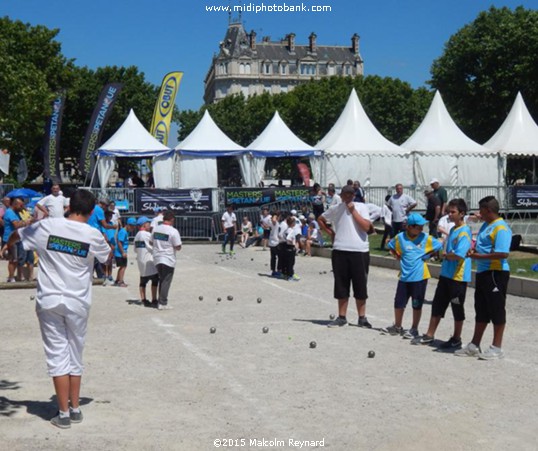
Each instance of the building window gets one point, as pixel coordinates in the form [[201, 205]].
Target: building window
[[223, 68], [283, 69], [247, 68], [266, 68], [331, 69], [347, 69], [241, 69], [308, 69]]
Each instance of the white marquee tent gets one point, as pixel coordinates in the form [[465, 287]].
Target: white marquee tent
[[517, 136], [199, 151], [130, 140], [277, 140], [442, 151], [355, 149]]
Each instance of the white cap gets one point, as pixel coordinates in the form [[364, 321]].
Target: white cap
[[432, 181], [293, 212]]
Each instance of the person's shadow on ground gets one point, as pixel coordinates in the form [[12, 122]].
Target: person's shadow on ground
[[42, 409]]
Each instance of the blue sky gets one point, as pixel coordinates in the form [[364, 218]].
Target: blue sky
[[399, 38]]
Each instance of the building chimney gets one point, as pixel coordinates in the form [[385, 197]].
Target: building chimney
[[252, 38], [291, 42], [355, 44], [312, 42]]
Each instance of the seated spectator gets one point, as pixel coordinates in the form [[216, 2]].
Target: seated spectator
[[246, 231], [312, 238]]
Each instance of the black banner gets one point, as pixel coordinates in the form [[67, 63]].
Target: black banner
[[51, 151], [101, 113], [255, 197], [178, 200], [525, 197]]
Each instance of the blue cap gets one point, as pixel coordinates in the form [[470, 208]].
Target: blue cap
[[142, 220], [416, 219], [131, 221]]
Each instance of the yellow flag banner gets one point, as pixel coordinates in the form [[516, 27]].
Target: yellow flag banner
[[162, 115]]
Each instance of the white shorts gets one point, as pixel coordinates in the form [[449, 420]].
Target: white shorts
[[64, 334]]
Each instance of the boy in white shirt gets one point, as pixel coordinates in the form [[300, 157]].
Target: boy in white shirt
[[66, 248], [166, 241], [146, 266], [229, 225]]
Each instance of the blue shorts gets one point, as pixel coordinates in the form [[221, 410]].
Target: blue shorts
[[414, 290]]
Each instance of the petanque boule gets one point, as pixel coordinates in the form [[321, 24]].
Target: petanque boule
[[259, 300], [200, 298], [213, 330], [313, 344], [32, 298], [331, 316], [219, 299], [371, 354], [230, 297], [265, 330]]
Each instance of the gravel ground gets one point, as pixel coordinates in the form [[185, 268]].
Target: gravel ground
[[159, 380]]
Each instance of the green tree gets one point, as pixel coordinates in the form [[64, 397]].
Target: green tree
[[32, 70], [484, 65]]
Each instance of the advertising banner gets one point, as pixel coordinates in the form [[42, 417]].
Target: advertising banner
[[525, 197], [100, 115], [162, 114], [51, 151], [255, 197], [178, 200]]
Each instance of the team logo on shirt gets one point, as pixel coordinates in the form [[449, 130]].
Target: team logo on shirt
[[140, 244], [160, 236], [68, 246]]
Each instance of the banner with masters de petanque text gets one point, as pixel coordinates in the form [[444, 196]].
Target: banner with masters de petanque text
[[256, 197]]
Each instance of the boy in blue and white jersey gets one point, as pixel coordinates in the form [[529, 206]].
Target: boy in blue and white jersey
[[120, 252], [492, 276], [412, 247], [455, 274]]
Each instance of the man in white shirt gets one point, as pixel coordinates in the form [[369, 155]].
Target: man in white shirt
[[335, 198], [266, 223], [229, 225], [66, 248], [400, 204], [166, 241], [53, 205], [351, 254]]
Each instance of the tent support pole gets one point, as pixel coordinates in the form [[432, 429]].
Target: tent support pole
[[94, 171]]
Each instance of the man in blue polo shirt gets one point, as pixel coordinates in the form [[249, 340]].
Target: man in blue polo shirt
[[12, 222], [492, 275]]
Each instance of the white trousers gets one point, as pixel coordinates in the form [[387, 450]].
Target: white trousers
[[64, 334]]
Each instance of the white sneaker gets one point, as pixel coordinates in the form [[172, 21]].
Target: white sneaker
[[469, 350], [411, 334], [164, 307], [493, 353]]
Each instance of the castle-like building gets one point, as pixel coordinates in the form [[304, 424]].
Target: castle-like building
[[244, 65]]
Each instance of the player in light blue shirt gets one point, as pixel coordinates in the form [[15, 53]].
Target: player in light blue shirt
[[455, 273], [492, 276], [412, 247], [120, 251]]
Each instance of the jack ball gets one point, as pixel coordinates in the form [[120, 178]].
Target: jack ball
[[213, 330], [265, 330]]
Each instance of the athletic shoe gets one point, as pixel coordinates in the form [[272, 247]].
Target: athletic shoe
[[62, 423], [469, 350], [146, 303], [155, 303], [338, 322], [410, 334], [393, 330], [363, 322], [453, 343], [493, 353], [121, 285], [76, 417], [11, 280], [423, 340], [164, 307], [223, 249], [111, 279], [276, 274], [294, 278], [232, 252]]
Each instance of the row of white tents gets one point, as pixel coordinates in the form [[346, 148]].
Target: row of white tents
[[352, 149]]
